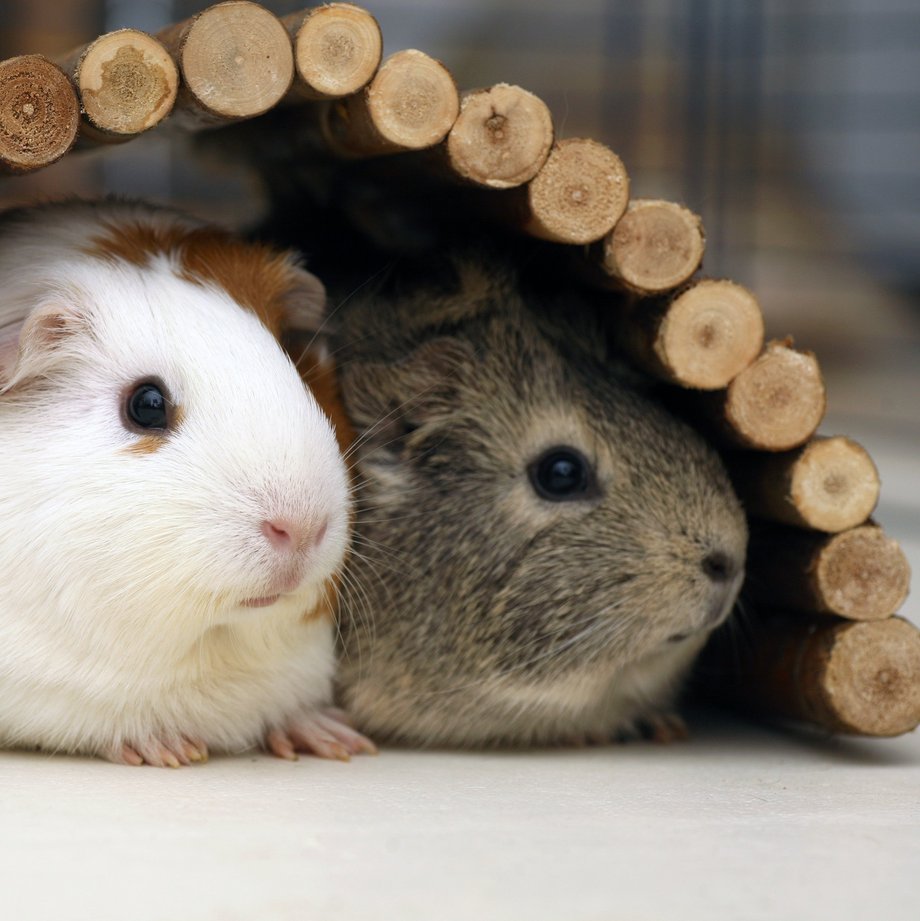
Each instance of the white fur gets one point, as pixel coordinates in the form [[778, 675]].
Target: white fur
[[123, 573]]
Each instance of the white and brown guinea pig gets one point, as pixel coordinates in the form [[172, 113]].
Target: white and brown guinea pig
[[174, 509], [542, 548]]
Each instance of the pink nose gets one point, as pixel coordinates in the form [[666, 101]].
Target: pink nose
[[287, 537]]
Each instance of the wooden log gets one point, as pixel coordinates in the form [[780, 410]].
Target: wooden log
[[774, 404], [337, 50], [843, 676], [656, 246], [39, 113], [830, 484], [501, 137], [859, 574], [702, 337], [579, 194], [236, 62], [127, 84], [411, 104]]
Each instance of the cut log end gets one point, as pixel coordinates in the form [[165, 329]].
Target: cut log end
[[709, 334], [834, 485], [235, 58], [862, 574], [127, 82], [337, 50], [580, 193], [501, 137], [39, 113], [410, 104], [859, 574], [867, 677], [655, 246], [777, 402]]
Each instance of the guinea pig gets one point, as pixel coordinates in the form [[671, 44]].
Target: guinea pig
[[541, 549], [174, 508]]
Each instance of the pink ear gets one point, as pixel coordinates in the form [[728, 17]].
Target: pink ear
[[35, 344]]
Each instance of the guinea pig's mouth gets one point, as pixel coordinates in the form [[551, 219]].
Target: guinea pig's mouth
[[263, 602]]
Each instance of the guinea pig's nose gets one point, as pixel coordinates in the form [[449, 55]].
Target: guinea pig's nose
[[719, 566], [287, 537]]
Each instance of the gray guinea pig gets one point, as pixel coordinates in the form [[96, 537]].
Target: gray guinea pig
[[541, 549]]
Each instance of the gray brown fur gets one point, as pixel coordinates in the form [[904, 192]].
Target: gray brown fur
[[478, 613]]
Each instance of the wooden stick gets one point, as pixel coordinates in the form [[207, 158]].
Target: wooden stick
[[860, 574], [39, 113], [775, 404], [127, 84], [702, 337], [235, 59], [579, 194], [501, 137], [843, 676], [337, 50], [655, 246], [410, 104], [830, 484]]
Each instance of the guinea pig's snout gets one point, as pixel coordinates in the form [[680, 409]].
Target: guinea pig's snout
[[290, 538], [720, 566], [724, 570]]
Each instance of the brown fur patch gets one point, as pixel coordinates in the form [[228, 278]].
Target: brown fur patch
[[149, 444], [326, 607], [322, 380], [256, 276]]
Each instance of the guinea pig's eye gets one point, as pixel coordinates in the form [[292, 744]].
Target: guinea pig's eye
[[146, 407], [561, 474]]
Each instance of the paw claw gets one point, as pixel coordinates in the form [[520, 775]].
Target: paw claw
[[324, 733]]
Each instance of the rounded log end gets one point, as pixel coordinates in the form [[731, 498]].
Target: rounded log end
[[501, 138], [127, 82], [872, 677], [777, 403], [835, 484], [39, 113], [580, 193], [337, 50], [655, 246], [710, 334], [413, 101], [863, 574], [237, 59]]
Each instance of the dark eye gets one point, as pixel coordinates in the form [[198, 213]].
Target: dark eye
[[146, 407], [561, 474]]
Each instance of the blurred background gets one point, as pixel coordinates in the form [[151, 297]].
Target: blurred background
[[792, 127]]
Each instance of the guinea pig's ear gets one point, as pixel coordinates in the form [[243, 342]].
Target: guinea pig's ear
[[387, 401], [304, 302], [30, 347]]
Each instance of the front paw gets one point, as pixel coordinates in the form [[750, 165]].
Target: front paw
[[172, 752], [662, 728], [325, 733]]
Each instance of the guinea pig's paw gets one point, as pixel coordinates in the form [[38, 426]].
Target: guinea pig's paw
[[325, 733], [172, 753], [663, 727]]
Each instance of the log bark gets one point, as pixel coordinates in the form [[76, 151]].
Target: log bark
[[39, 113], [337, 50], [830, 484], [501, 138], [236, 62], [843, 676], [411, 104], [775, 404], [656, 246], [127, 84], [859, 574], [702, 337], [577, 197]]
